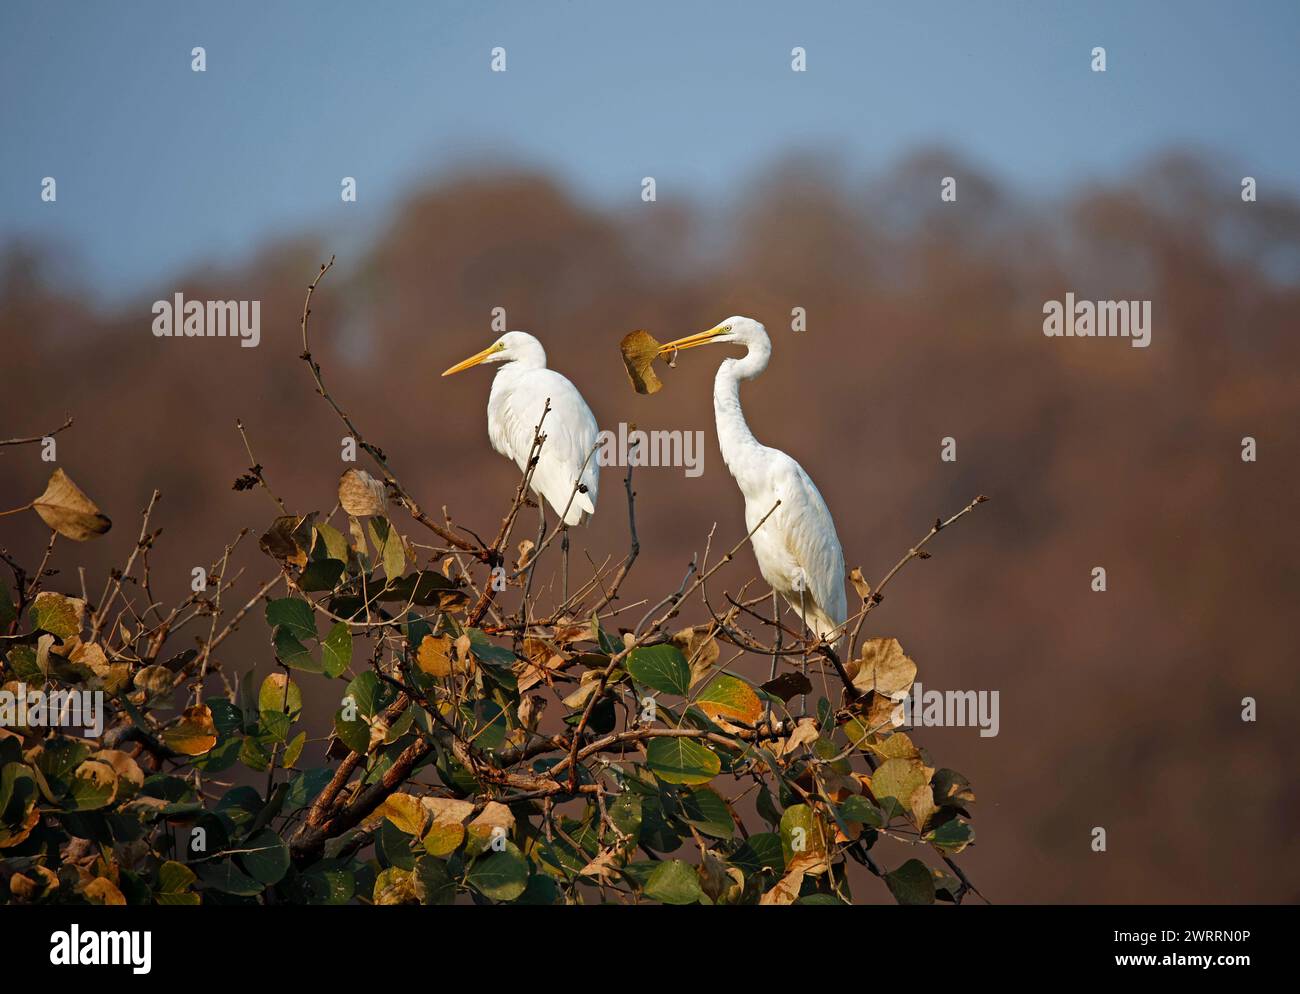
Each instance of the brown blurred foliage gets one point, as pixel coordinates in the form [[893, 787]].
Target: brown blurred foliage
[[1119, 709]]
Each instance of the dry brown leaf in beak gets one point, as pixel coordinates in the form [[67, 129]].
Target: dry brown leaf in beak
[[69, 511], [639, 350]]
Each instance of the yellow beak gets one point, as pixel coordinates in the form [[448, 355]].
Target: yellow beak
[[475, 359], [691, 341]]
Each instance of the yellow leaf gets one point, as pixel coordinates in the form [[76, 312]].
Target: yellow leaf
[[404, 811], [884, 668], [434, 655], [195, 734], [447, 830], [101, 890]]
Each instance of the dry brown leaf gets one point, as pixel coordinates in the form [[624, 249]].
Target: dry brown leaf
[[884, 668], [604, 868], [805, 732], [786, 890], [495, 821], [529, 710], [525, 553], [360, 494], [154, 681], [532, 673], [860, 584], [68, 511], [723, 883], [588, 684], [640, 350], [921, 805], [700, 649]]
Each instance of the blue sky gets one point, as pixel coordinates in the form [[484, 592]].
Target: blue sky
[[160, 169]]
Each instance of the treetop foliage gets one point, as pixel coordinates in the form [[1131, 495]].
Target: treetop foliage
[[543, 753]]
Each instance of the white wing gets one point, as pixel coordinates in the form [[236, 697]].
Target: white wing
[[799, 543], [514, 412]]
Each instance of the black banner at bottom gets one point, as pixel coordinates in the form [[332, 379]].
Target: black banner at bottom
[[169, 945]]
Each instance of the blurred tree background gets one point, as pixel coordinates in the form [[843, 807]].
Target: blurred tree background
[[1118, 709]]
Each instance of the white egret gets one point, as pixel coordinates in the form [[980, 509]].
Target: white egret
[[797, 549], [520, 390]]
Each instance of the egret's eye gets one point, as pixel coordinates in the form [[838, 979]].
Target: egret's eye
[[726, 328]]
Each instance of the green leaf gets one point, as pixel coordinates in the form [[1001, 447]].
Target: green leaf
[[951, 837], [321, 885], [336, 650], [660, 667], [279, 693], [336, 546], [93, 785], [294, 654], [371, 695], [911, 883], [353, 734], [293, 750], [426, 588], [268, 858], [677, 759], [7, 610], [293, 614], [802, 833], [323, 574], [254, 755], [673, 882], [488, 724], [389, 545], [305, 786], [224, 876], [859, 809], [760, 851], [275, 726], [625, 813], [59, 756], [22, 660], [174, 877], [704, 808], [486, 651], [896, 780], [433, 884], [821, 899], [502, 876], [56, 614]]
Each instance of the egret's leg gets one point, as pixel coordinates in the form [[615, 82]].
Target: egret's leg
[[776, 655], [532, 563], [803, 701], [564, 552], [776, 617]]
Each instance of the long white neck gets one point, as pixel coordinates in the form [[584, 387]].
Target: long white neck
[[740, 449]]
